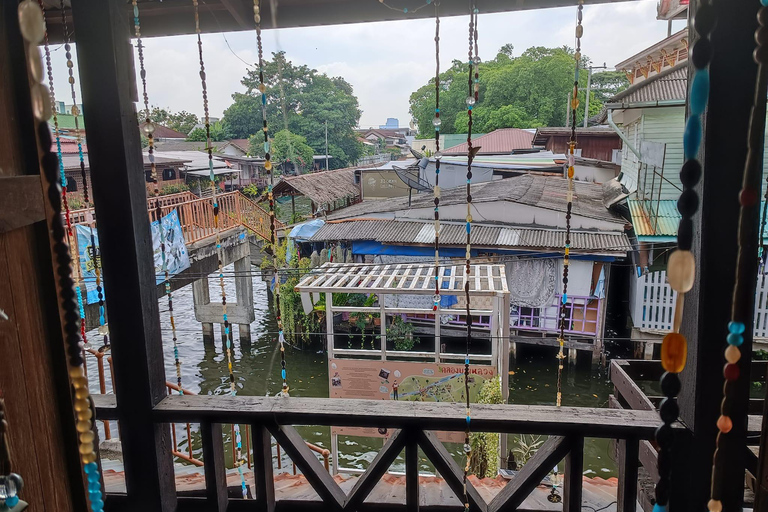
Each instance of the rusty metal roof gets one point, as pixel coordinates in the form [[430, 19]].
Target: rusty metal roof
[[483, 236], [648, 223], [498, 142]]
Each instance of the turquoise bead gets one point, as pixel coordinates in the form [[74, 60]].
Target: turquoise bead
[[97, 505], [737, 327], [468, 420], [764, 2], [94, 486], [692, 137], [93, 477], [266, 147], [12, 501], [91, 467], [699, 92], [659, 508], [735, 339], [283, 374]]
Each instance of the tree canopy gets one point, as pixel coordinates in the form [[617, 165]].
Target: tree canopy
[[284, 147], [528, 91], [218, 133], [300, 100], [180, 121]]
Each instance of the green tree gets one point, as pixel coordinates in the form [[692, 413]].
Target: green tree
[[180, 121], [284, 147], [515, 92], [607, 84], [218, 133], [300, 100]]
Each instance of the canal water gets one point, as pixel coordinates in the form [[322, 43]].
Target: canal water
[[532, 379]]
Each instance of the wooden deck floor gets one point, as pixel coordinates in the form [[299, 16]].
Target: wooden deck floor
[[599, 494]]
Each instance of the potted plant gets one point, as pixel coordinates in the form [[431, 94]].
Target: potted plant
[[401, 334]]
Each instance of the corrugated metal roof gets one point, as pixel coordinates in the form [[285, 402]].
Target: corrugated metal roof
[[423, 233], [502, 141], [648, 223], [670, 85], [547, 192]]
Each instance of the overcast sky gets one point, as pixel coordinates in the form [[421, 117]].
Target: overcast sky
[[385, 62]]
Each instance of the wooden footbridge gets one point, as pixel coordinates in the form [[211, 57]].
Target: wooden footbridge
[[196, 214]]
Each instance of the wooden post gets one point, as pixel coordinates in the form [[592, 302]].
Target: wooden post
[[215, 468], [629, 454], [573, 477], [707, 306], [108, 81], [262, 468], [412, 475]]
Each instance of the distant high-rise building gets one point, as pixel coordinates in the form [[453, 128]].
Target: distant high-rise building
[[392, 124]]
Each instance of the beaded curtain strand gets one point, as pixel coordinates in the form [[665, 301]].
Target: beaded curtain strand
[[471, 152], [32, 26], [63, 178], [681, 268], [743, 294], [149, 130], [239, 461], [10, 483], [438, 155], [76, 114], [272, 226], [569, 204]]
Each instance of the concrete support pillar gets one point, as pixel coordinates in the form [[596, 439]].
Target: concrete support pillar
[[572, 356], [207, 332], [245, 334]]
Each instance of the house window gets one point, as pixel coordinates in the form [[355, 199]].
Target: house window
[[148, 176], [71, 184], [169, 174]]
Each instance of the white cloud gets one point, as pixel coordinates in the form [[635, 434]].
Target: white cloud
[[385, 62]]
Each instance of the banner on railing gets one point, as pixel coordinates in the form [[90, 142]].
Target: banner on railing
[[177, 256]]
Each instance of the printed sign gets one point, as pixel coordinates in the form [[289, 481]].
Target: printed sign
[[176, 254], [396, 380]]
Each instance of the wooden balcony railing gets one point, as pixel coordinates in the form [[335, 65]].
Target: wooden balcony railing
[[196, 214], [413, 424], [628, 395]]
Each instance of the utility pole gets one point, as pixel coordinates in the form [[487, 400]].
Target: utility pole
[[326, 146], [589, 86]]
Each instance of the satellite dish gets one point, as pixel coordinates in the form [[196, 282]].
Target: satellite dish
[[414, 182]]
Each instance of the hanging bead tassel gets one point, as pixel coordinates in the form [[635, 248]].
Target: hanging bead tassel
[[569, 207], [239, 461]]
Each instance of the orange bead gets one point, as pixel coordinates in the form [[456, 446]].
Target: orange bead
[[570, 172], [724, 424], [674, 351]]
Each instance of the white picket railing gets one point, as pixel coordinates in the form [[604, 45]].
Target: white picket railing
[[652, 303]]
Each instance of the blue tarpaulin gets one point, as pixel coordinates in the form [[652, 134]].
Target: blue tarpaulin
[[305, 230]]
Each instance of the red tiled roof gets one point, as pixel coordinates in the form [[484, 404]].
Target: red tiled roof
[[498, 142], [163, 132], [240, 143], [68, 147]]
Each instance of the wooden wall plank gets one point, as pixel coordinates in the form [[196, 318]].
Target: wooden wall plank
[[262, 469], [22, 200]]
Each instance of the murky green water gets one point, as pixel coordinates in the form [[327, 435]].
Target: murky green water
[[532, 380]]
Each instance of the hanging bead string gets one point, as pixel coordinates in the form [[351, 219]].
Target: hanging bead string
[[404, 10], [33, 29], [76, 114], [10, 483], [569, 204], [149, 130], [762, 251], [272, 226], [681, 268], [217, 226], [438, 155], [743, 294], [63, 178], [471, 152]]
